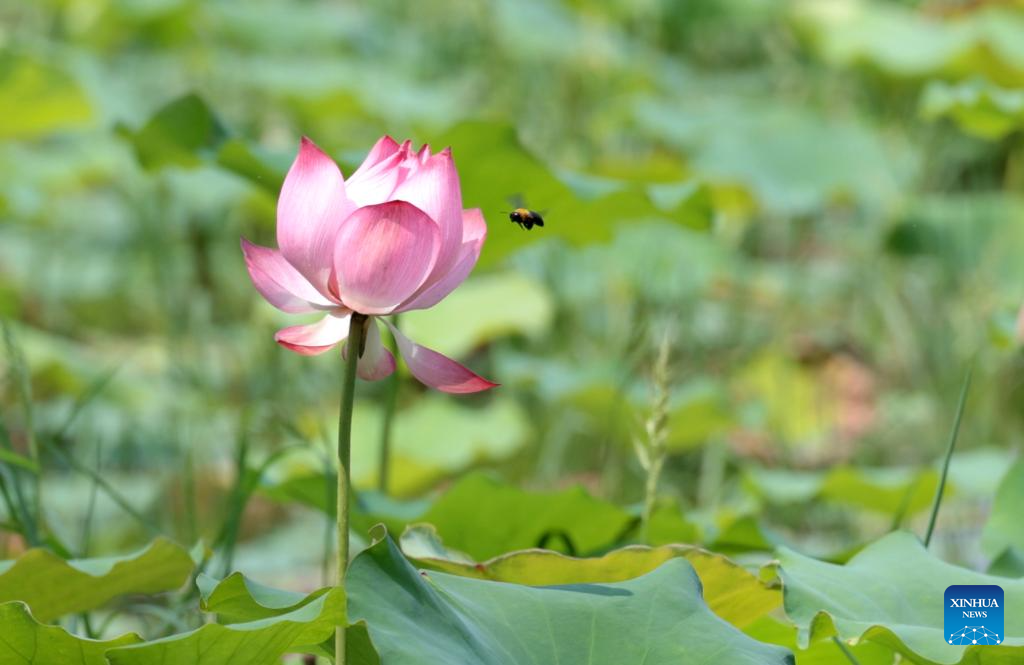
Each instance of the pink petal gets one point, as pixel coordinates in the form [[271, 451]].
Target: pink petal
[[279, 282], [376, 362], [474, 233], [383, 254], [436, 370], [434, 189], [376, 183], [310, 210], [317, 337], [384, 148]]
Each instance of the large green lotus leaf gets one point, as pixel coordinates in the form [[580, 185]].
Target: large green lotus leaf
[[896, 39], [25, 641], [791, 159], [892, 593], [783, 486], [1008, 564], [885, 490], [237, 598], [905, 42], [253, 163], [698, 411], [484, 518], [432, 617], [53, 587], [743, 533], [729, 590], [1003, 529], [823, 652], [258, 642], [978, 107], [184, 132], [493, 166], [432, 439], [669, 525], [486, 308], [882, 490], [38, 99]]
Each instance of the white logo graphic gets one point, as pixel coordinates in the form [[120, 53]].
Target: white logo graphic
[[974, 635]]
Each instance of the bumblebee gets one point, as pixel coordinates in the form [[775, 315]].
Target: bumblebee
[[526, 218], [523, 216]]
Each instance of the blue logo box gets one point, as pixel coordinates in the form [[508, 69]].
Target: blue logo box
[[974, 614]]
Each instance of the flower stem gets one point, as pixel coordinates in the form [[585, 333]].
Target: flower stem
[[390, 402], [357, 325]]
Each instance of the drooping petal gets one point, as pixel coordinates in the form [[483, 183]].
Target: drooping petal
[[376, 363], [310, 210], [434, 188], [474, 234], [376, 183], [317, 337], [437, 370], [383, 254], [280, 283]]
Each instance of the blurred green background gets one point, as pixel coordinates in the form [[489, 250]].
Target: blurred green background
[[819, 204]]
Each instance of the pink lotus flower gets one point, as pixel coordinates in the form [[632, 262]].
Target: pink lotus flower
[[392, 239]]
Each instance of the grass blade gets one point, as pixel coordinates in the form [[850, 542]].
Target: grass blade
[[949, 456]]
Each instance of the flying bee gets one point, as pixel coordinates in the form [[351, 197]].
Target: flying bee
[[523, 216]]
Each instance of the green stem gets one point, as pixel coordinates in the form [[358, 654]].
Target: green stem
[[846, 651], [949, 455], [390, 402], [357, 326]]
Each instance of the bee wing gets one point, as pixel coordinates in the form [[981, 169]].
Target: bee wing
[[516, 200]]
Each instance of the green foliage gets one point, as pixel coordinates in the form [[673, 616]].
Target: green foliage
[[53, 587], [415, 617], [28, 642], [888, 594], [177, 134], [484, 518], [39, 98], [730, 591], [822, 652], [502, 168], [433, 439], [907, 43], [888, 491], [262, 641], [979, 108], [791, 160], [817, 203], [1002, 531], [237, 599], [488, 309]]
